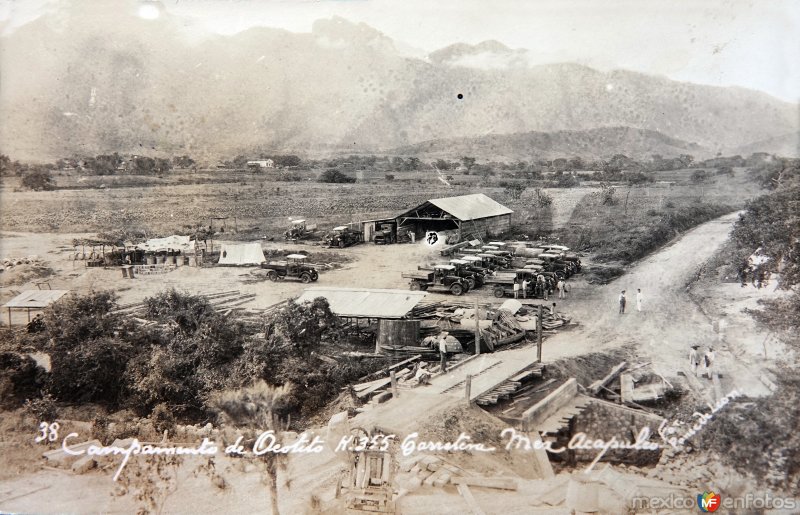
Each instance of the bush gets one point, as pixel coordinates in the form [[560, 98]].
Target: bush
[[163, 419], [514, 190], [542, 198], [699, 176], [20, 379], [389, 177], [43, 409], [335, 176], [39, 181]]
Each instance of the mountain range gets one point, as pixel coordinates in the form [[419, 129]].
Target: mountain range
[[78, 83]]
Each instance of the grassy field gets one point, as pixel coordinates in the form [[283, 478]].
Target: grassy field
[[256, 205]]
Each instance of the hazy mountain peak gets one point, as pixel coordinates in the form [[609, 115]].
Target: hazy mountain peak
[[339, 32]]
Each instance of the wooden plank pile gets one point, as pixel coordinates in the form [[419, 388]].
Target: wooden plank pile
[[625, 390], [226, 302], [511, 387]]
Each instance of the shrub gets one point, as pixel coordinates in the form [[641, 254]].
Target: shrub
[[542, 198], [43, 409], [163, 419], [389, 177], [335, 176], [514, 190], [20, 379], [40, 180]]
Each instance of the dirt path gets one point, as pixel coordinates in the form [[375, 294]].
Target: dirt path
[[670, 320]]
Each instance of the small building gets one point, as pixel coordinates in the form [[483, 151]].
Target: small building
[[469, 216], [33, 300], [261, 163]]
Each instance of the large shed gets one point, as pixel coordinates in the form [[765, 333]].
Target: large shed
[[469, 215]]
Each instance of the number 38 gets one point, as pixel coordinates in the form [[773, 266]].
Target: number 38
[[48, 431]]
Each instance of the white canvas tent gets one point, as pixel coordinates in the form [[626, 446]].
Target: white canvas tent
[[241, 254]]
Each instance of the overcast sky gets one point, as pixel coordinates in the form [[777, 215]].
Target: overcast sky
[[719, 42]]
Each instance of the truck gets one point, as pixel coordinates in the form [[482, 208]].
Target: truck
[[502, 283], [385, 234], [342, 236], [461, 269], [441, 279], [293, 266], [299, 230]]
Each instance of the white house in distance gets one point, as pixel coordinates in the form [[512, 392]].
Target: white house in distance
[[261, 163]]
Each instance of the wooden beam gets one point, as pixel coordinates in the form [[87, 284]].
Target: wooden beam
[[463, 489], [499, 483], [597, 385]]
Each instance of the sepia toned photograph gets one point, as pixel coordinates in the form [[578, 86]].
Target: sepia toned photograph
[[359, 257]]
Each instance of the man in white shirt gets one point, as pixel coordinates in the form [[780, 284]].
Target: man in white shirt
[[693, 360], [639, 300], [525, 285], [443, 351]]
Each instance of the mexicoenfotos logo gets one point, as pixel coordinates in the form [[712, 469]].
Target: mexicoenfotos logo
[[708, 501]]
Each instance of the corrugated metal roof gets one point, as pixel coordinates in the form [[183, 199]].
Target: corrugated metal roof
[[35, 298], [365, 302], [471, 207]]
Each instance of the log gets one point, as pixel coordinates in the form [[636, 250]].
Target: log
[[499, 483], [597, 385]]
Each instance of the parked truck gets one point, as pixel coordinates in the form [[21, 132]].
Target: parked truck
[[299, 230], [441, 279], [385, 234], [293, 266], [342, 236]]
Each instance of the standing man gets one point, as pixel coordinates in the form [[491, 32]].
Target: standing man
[[622, 303], [553, 310], [443, 351], [708, 362], [639, 300], [525, 285], [516, 288], [560, 288], [693, 360]]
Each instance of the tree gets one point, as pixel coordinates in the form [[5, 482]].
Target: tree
[[542, 198], [441, 164], [699, 177], [41, 180], [335, 176], [515, 190], [256, 408], [468, 162]]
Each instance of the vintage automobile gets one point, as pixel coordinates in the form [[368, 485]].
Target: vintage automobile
[[299, 230], [387, 233], [441, 279], [293, 266], [342, 236]]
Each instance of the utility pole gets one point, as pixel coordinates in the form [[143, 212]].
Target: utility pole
[[539, 335], [477, 329], [468, 388]]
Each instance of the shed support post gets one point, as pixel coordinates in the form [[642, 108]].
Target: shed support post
[[539, 335]]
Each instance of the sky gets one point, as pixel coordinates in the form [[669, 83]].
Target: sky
[[718, 42]]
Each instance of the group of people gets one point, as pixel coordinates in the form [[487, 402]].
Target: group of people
[[706, 362], [538, 287], [623, 301]]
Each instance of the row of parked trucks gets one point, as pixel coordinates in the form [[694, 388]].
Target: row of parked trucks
[[499, 265]]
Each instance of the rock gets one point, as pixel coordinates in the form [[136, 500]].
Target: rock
[[83, 465]]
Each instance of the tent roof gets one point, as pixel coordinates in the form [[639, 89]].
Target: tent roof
[[35, 298], [297, 256], [241, 254], [365, 302], [174, 242]]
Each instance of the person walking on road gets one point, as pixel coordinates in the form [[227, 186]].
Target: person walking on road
[[560, 287], [639, 300], [693, 359], [708, 363], [622, 303], [443, 352]]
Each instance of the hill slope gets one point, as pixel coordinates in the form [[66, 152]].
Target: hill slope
[[111, 81], [589, 144]]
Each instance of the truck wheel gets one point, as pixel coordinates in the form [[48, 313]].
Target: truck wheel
[[415, 286], [456, 289], [499, 292], [470, 283], [314, 275], [341, 244], [272, 275], [306, 278]]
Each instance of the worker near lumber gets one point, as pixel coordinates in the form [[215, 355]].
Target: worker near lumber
[[525, 285], [443, 351], [541, 286], [553, 311], [560, 287], [622, 302], [516, 288], [639, 300], [693, 359]]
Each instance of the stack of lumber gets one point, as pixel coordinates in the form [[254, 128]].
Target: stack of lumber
[[511, 386], [625, 390]]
